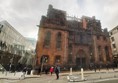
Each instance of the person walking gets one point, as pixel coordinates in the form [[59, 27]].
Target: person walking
[[39, 70], [46, 70], [107, 66], [51, 70], [24, 71], [95, 67], [57, 71]]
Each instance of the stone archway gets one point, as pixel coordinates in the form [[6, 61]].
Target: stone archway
[[44, 59], [81, 59]]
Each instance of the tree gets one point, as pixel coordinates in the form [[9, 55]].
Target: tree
[[27, 59]]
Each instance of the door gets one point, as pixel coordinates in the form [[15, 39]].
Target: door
[[81, 59]]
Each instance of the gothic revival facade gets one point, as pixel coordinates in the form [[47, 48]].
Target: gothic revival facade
[[69, 41]]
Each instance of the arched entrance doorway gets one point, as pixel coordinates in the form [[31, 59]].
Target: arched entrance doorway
[[44, 59], [81, 59]]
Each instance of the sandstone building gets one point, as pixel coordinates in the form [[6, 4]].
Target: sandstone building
[[114, 42], [70, 41]]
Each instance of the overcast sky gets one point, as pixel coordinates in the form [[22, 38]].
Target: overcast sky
[[24, 15]]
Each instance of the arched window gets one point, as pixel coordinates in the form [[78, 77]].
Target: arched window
[[70, 53], [44, 59], [47, 39], [99, 53], [58, 59], [107, 53], [58, 41]]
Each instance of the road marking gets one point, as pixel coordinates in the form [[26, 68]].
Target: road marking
[[10, 81], [49, 81]]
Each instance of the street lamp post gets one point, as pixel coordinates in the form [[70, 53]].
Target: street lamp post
[[81, 61], [42, 64], [82, 71], [90, 65], [43, 59], [91, 58], [11, 62], [70, 58]]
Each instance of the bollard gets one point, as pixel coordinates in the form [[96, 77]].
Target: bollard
[[6, 73], [82, 74], [71, 71], [23, 75], [14, 73], [114, 73], [3, 71], [100, 75], [32, 72]]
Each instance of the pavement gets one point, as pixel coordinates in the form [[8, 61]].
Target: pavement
[[16, 75], [89, 76], [92, 76]]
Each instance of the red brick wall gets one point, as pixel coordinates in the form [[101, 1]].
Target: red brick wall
[[52, 51]]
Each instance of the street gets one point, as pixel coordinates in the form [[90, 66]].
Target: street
[[91, 77], [43, 79], [109, 81], [51, 79]]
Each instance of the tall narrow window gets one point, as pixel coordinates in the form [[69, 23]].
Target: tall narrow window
[[58, 59], [58, 41], [107, 53], [111, 33], [114, 46], [98, 37], [47, 39], [104, 38], [81, 38], [112, 38], [99, 53], [70, 54]]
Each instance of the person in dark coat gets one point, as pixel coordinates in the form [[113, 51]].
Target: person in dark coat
[[29, 71], [24, 70], [113, 66], [39, 71], [107, 66], [46, 70], [95, 67], [57, 71]]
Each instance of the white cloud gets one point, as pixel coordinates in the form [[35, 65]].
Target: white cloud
[[105, 11], [111, 14], [24, 15]]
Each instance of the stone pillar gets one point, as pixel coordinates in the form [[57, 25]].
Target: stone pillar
[[71, 71], [82, 74], [95, 49]]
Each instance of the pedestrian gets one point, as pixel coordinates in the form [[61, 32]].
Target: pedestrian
[[90, 66], [24, 71], [95, 67], [57, 71], [46, 70], [113, 66], [39, 71], [51, 70], [29, 71], [107, 66], [100, 66]]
